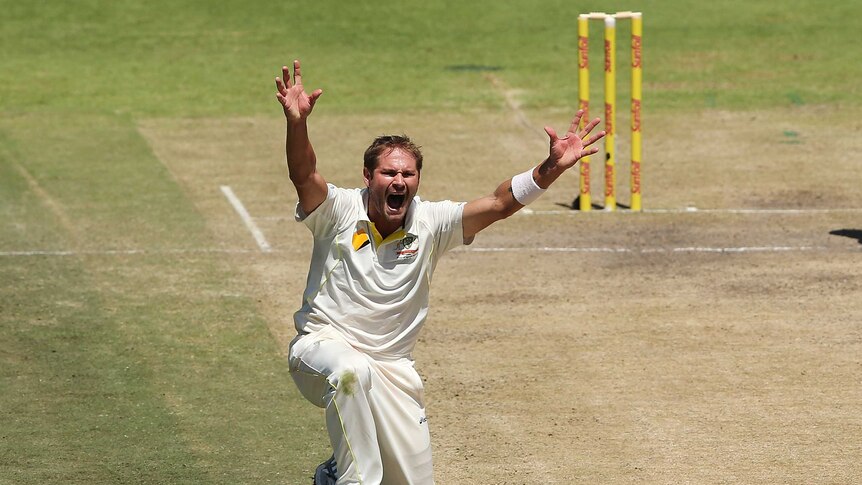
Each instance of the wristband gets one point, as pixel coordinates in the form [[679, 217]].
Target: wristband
[[524, 188]]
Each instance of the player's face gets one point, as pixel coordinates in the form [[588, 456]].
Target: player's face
[[391, 188]]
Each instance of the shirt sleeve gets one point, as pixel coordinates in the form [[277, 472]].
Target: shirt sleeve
[[445, 218], [329, 215]]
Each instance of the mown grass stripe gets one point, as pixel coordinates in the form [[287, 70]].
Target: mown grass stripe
[[155, 369], [78, 406]]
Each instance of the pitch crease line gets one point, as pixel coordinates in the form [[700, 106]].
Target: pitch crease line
[[246, 219], [693, 210], [617, 250], [530, 213], [123, 252], [692, 249]]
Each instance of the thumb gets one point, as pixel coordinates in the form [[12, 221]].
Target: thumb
[[551, 133], [313, 97]]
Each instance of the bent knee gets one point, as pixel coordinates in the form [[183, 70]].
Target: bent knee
[[352, 377]]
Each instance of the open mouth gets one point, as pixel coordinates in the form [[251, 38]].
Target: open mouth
[[395, 201]]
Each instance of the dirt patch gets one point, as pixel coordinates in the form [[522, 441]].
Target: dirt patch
[[636, 365], [652, 374]]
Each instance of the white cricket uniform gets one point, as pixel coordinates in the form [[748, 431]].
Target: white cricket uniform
[[365, 302]]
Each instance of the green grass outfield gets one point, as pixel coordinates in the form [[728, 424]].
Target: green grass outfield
[[159, 367]]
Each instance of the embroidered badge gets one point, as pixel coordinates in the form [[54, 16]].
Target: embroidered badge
[[407, 247]]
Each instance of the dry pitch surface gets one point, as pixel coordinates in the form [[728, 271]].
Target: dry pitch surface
[[663, 347]]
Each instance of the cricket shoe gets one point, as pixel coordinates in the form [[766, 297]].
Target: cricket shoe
[[326, 473]]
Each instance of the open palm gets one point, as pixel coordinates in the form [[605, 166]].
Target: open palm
[[297, 104], [566, 151]]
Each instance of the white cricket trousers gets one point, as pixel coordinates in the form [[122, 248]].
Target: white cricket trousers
[[375, 412]]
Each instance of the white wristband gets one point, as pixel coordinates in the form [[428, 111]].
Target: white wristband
[[524, 188]]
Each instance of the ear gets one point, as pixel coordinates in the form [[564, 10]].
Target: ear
[[367, 176]]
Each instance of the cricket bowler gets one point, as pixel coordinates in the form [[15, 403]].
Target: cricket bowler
[[366, 297]]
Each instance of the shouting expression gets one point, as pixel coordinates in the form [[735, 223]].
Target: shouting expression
[[391, 187]]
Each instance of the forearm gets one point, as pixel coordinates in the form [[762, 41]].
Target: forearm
[[505, 201], [483, 212], [310, 186], [301, 160], [524, 188], [546, 173]]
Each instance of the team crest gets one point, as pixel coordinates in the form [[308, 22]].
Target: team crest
[[407, 248]]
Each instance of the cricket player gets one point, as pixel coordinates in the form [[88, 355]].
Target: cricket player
[[366, 297]]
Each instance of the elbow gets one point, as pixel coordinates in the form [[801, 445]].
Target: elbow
[[297, 179], [300, 178], [483, 212], [508, 213], [505, 209]]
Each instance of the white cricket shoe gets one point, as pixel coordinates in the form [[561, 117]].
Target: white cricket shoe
[[326, 473]]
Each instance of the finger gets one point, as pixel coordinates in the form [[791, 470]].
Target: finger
[[297, 76], [279, 85], [551, 133], [576, 121], [285, 74], [281, 99], [313, 97], [589, 151], [588, 128], [598, 136]]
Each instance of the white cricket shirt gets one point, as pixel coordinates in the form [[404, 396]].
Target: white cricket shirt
[[375, 292]]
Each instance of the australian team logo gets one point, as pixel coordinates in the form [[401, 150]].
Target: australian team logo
[[407, 247]]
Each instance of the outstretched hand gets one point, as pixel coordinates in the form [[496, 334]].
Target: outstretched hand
[[566, 151], [297, 104]]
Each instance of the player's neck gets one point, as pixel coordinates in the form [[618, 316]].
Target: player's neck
[[385, 228]]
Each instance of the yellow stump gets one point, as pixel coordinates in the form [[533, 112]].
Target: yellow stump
[[584, 104], [637, 70], [610, 118], [610, 105]]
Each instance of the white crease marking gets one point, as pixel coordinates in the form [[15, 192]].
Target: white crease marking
[[246, 219]]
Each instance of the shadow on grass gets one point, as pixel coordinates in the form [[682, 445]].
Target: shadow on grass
[[851, 233]]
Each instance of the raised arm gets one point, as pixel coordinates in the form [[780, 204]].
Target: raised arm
[[301, 161], [564, 153]]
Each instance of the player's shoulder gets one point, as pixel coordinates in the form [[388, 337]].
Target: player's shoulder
[[336, 191], [433, 211], [343, 198], [340, 206], [430, 205]]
